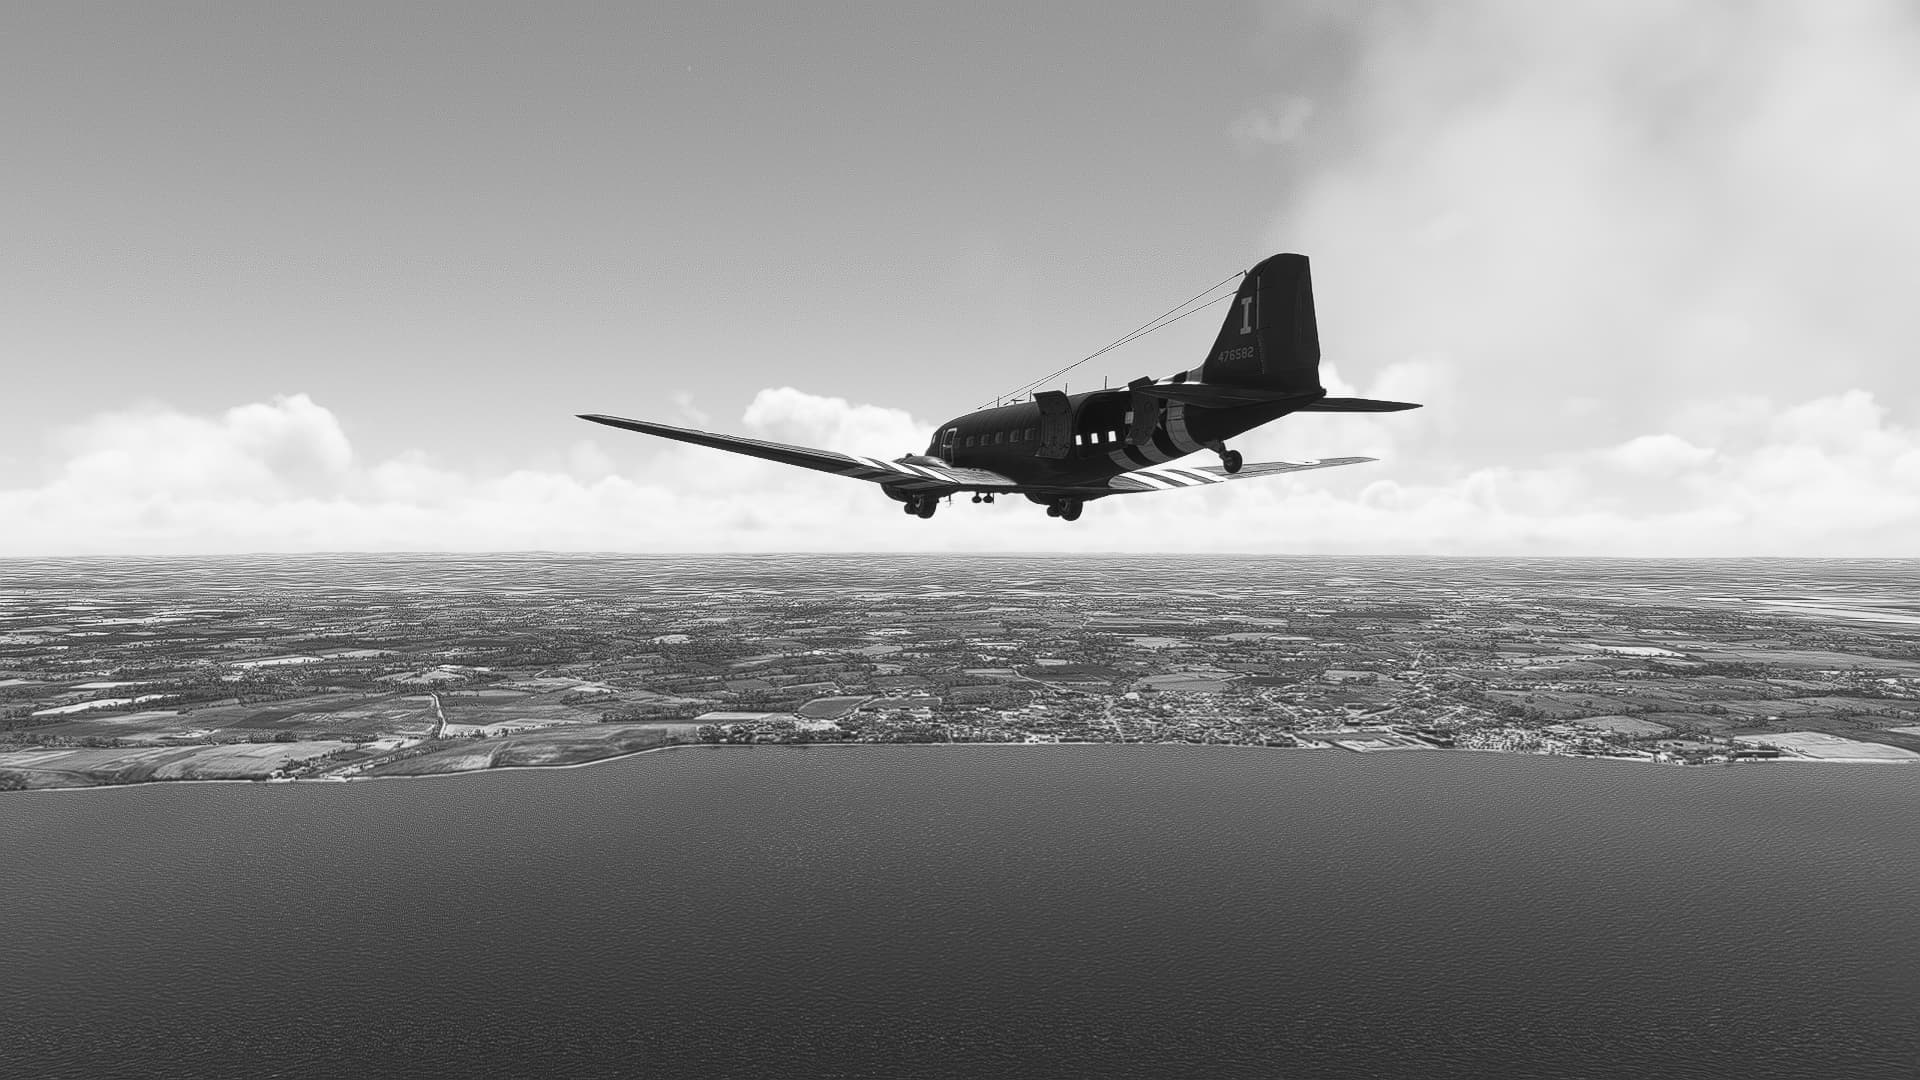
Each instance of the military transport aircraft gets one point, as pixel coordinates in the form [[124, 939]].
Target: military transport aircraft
[[1063, 450]]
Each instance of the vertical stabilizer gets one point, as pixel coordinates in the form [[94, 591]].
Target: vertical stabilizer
[[1269, 340]]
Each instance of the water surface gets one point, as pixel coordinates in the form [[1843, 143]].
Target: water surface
[[968, 911]]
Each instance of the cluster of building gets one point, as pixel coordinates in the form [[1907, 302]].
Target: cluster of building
[[388, 657]]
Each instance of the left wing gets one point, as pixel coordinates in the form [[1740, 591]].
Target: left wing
[[906, 476]]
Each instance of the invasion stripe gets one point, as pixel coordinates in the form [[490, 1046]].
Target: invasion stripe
[[1204, 477], [1159, 474], [1163, 448], [1153, 482], [1177, 428], [894, 478], [890, 466]]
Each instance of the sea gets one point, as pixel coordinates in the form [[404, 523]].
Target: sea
[[974, 911]]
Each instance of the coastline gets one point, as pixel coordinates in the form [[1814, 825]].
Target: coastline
[[317, 780]]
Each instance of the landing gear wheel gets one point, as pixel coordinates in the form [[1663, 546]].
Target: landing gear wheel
[[1053, 509], [928, 504], [910, 506], [1230, 461], [1070, 510]]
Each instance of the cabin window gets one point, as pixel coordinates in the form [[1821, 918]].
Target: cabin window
[[969, 440], [1030, 434], [999, 438]]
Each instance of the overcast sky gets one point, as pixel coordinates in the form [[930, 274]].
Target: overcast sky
[[337, 276]]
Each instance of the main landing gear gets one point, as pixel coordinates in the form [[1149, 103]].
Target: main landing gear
[[1065, 509], [1229, 459], [921, 506]]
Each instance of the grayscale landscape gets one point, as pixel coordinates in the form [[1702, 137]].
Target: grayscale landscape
[[1125, 540], [327, 668]]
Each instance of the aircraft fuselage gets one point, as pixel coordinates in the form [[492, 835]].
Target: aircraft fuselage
[[1095, 436]]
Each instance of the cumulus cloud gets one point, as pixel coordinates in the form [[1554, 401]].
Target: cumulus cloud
[[1603, 212], [1830, 475], [1276, 123], [1658, 455], [290, 445]]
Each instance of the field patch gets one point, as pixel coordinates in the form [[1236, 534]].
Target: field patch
[[1824, 747], [830, 708], [1186, 682], [85, 767], [1623, 725], [554, 746]]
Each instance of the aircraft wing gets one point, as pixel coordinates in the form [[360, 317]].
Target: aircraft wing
[[941, 479], [1168, 477], [893, 474]]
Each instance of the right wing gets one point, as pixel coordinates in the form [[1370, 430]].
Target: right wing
[[892, 474], [1168, 477]]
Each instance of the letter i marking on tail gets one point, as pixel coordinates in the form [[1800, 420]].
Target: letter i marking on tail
[[1246, 314]]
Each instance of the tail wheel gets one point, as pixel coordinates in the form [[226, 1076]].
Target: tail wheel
[[1230, 461]]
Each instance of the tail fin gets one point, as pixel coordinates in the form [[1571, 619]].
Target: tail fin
[[1269, 340]]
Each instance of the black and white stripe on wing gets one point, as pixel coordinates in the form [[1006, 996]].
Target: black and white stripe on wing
[[896, 474]]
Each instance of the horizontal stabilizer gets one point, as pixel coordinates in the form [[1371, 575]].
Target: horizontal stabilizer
[[1215, 396], [1356, 404]]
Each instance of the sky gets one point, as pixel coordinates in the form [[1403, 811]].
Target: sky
[[323, 277]]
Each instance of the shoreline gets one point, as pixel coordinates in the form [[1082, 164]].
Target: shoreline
[[263, 781]]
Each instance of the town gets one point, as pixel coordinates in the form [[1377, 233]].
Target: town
[[313, 667]]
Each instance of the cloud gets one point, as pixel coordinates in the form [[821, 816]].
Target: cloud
[[1831, 475], [788, 415], [1658, 455], [1276, 123], [1604, 212], [289, 445]]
